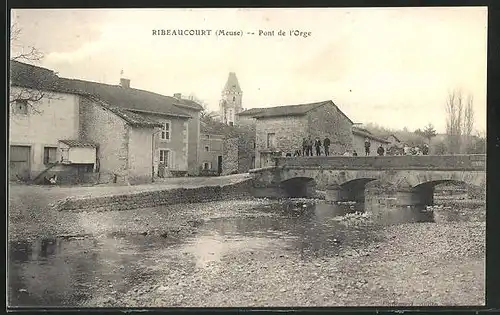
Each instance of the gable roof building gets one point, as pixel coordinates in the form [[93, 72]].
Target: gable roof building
[[122, 96], [117, 118], [289, 110]]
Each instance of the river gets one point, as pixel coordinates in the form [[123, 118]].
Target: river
[[74, 271]]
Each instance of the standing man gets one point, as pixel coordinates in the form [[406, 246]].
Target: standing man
[[317, 144], [425, 149], [326, 144], [304, 146], [380, 150], [309, 146], [367, 146]]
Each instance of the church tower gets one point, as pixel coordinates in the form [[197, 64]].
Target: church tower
[[231, 101]]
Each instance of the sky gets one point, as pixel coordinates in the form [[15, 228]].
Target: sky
[[390, 66]]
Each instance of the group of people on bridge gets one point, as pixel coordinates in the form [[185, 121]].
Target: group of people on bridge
[[318, 147]]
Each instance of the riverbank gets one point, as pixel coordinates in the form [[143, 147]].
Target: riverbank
[[45, 211], [225, 253], [422, 264]]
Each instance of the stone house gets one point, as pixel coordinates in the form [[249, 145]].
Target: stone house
[[194, 136], [135, 134], [358, 141], [280, 130], [237, 146], [212, 148]]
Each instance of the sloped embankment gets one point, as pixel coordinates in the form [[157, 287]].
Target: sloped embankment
[[156, 198]]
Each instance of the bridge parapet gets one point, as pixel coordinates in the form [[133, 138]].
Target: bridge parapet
[[472, 162]]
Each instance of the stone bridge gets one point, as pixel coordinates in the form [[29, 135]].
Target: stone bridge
[[411, 179]]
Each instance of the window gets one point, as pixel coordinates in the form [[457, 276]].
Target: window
[[234, 98], [49, 155], [271, 140], [207, 148], [207, 165], [165, 157], [20, 107], [165, 131], [208, 137]]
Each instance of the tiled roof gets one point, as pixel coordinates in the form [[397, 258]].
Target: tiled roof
[[368, 135], [127, 98], [190, 104], [78, 143], [232, 83], [29, 76], [251, 112], [217, 128], [131, 117], [289, 110], [397, 139]]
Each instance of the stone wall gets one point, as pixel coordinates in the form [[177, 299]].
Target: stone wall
[[328, 121], [246, 149], [288, 131], [156, 198], [426, 162], [110, 133], [230, 156]]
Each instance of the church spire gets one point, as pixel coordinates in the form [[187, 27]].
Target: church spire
[[232, 84]]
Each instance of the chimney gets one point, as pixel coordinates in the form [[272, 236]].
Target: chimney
[[125, 83], [177, 95]]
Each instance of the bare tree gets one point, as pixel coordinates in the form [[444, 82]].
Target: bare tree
[[206, 113], [459, 122], [468, 122], [40, 86], [454, 108]]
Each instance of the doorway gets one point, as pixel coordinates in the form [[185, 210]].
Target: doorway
[[219, 164], [19, 162]]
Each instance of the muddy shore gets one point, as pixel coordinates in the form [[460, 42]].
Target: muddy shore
[[423, 264]]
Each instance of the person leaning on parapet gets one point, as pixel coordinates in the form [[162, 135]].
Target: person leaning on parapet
[[380, 150], [367, 146], [326, 145], [406, 150], [309, 146], [317, 145], [425, 149], [354, 153]]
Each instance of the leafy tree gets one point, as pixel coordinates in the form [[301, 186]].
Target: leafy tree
[[429, 132]]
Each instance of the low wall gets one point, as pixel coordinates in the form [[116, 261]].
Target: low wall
[[156, 198], [408, 162]]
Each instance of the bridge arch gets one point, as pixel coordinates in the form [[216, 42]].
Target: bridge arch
[[298, 187], [354, 189]]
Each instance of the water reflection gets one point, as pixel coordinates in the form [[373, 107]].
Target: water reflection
[[66, 272]]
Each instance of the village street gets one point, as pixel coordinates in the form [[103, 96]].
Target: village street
[[249, 252]]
